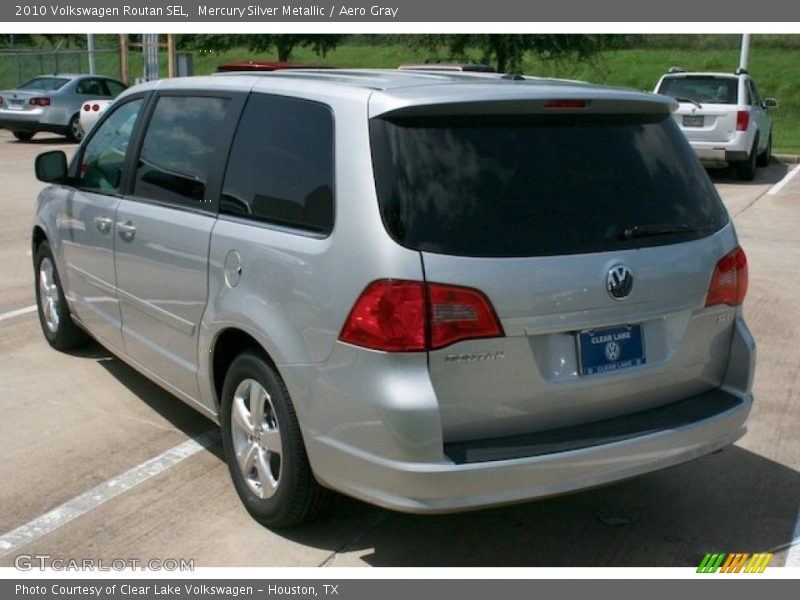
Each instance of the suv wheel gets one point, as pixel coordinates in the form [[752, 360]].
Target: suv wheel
[[264, 447], [765, 158], [746, 170], [57, 325]]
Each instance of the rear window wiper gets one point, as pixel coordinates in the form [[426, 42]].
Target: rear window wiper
[[638, 231], [684, 99]]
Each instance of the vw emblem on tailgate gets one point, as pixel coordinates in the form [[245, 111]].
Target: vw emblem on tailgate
[[619, 282]]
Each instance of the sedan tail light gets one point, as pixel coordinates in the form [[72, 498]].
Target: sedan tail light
[[95, 107], [729, 281], [742, 120], [39, 101], [411, 316], [87, 108]]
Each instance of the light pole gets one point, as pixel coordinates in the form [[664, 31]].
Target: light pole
[[745, 53]]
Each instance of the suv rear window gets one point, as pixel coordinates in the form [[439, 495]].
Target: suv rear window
[[702, 88], [528, 185]]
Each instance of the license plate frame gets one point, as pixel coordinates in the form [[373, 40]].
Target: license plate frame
[[609, 349], [694, 121]]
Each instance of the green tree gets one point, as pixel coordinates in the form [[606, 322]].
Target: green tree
[[282, 44], [506, 51]]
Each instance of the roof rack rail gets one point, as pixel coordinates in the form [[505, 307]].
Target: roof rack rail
[[676, 70]]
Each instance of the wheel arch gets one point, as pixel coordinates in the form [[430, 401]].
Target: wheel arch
[[228, 344]]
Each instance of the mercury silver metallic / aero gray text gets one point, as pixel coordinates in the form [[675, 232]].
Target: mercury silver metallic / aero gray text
[[430, 291]]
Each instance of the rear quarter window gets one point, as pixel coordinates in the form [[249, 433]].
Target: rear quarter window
[[280, 168], [527, 185]]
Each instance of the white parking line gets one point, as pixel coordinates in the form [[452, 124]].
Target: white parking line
[[80, 505], [18, 313], [786, 179]]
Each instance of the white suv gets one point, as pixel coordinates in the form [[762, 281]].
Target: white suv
[[723, 117]]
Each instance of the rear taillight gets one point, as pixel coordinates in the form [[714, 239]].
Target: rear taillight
[[742, 120], [39, 101], [565, 104], [87, 108], [95, 107], [729, 281], [1, 100], [410, 316]]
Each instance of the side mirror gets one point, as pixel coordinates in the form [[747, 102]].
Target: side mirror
[[770, 103], [51, 167]]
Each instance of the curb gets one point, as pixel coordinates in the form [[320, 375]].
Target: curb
[[791, 159]]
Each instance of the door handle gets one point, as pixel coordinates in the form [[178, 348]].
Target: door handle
[[126, 230], [103, 224]]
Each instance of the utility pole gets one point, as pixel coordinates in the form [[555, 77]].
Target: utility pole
[[123, 58], [90, 46], [171, 55], [745, 53]]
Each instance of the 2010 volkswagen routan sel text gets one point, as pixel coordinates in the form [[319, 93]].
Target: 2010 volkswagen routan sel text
[[430, 291]]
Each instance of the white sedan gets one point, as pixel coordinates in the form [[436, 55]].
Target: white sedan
[[91, 110]]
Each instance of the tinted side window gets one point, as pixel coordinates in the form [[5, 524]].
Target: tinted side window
[[104, 156], [179, 149], [91, 87], [755, 98], [281, 166]]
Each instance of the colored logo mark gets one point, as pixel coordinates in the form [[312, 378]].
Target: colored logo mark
[[737, 562]]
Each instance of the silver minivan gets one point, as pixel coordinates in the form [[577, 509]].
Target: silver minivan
[[430, 291]]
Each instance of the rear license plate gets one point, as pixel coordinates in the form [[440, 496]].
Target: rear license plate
[[16, 104], [611, 349], [693, 121]]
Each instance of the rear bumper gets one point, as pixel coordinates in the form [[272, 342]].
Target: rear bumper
[[736, 149], [448, 486], [30, 120]]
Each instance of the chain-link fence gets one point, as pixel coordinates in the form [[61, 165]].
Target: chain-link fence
[[18, 66]]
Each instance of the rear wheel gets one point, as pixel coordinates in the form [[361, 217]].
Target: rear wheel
[[264, 447], [74, 129], [746, 170], [765, 157], [23, 136], [57, 325]]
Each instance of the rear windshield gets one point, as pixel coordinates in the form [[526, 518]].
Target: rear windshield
[[45, 84], [540, 185], [702, 88]]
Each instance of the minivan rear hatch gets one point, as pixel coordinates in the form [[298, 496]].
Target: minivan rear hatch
[[547, 209]]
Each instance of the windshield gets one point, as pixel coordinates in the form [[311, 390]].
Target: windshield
[[45, 84], [701, 88], [539, 185]]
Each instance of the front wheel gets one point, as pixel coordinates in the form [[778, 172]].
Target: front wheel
[[264, 447], [57, 325]]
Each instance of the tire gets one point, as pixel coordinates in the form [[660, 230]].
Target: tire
[[74, 129], [23, 136], [766, 157], [267, 460], [59, 329], [746, 170]]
